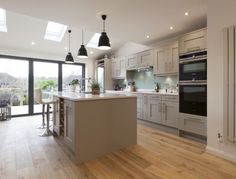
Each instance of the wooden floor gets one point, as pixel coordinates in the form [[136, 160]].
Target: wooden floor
[[158, 155]]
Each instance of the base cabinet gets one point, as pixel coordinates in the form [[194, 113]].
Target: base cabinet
[[69, 124], [154, 108], [139, 106], [194, 124]]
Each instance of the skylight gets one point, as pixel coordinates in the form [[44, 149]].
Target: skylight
[[3, 20], [55, 31], [93, 43]]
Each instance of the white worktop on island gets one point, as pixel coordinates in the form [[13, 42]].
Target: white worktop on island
[[75, 96], [162, 92]]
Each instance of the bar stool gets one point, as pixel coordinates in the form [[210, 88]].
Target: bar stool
[[45, 102]]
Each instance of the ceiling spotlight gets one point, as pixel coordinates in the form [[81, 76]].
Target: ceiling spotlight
[[148, 36], [32, 43], [186, 13], [66, 48], [91, 52], [171, 27]]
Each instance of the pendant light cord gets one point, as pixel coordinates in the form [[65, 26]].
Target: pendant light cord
[[69, 39], [82, 36], [103, 25]]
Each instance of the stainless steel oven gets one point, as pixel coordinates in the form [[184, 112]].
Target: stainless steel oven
[[193, 98], [193, 67]]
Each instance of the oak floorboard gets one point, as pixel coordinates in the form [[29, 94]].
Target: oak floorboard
[[158, 155]]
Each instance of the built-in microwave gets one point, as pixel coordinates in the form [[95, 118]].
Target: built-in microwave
[[193, 98], [193, 67]]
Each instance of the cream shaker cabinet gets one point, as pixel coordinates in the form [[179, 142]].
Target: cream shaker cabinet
[[170, 111], [139, 106], [132, 62], [193, 41], [145, 59], [166, 59], [154, 108], [69, 124], [118, 68]]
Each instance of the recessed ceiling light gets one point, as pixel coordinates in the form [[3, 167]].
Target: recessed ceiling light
[[91, 52], [147, 36], [66, 48], [171, 27], [3, 20], [55, 31], [32, 43], [186, 13]]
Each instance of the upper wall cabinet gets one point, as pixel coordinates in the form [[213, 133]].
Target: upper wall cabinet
[[118, 68], [132, 61], [166, 59], [193, 41], [145, 58], [142, 59]]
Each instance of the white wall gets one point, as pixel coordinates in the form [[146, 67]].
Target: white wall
[[89, 63], [221, 13]]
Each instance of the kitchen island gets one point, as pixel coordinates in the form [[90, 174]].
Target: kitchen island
[[94, 125]]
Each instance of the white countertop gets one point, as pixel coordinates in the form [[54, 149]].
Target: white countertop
[[141, 92], [75, 96]]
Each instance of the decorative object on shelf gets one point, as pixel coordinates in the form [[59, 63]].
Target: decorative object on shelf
[[82, 53], [104, 42], [132, 86], [95, 87], [156, 87], [69, 57], [73, 84]]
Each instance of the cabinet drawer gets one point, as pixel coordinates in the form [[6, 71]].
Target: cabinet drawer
[[192, 123], [174, 98], [154, 97]]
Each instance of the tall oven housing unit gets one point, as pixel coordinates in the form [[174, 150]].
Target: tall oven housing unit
[[193, 85]]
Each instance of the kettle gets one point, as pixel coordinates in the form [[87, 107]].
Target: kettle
[[156, 87]]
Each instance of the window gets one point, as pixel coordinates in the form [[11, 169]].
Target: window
[[14, 85], [3, 20], [71, 72], [55, 31], [46, 80], [93, 43]]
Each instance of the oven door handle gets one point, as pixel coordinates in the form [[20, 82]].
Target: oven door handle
[[184, 61]]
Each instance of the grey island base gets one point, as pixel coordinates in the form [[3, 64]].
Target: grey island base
[[94, 125]]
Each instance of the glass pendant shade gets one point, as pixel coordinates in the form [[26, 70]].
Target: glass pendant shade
[[69, 58]]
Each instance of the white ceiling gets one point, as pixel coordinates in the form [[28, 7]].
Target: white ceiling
[[128, 20]]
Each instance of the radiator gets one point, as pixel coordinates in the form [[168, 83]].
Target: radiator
[[229, 128]]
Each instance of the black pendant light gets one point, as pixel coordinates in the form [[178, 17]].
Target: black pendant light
[[104, 42], [69, 57], [82, 53]]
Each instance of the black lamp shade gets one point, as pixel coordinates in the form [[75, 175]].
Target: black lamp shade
[[104, 42], [82, 53], [69, 58]]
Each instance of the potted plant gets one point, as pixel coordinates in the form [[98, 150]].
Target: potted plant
[[95, 87], [73, 84]]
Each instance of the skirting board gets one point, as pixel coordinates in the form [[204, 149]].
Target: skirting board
[[220, 153]]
